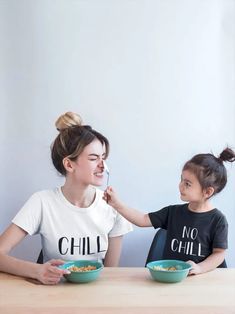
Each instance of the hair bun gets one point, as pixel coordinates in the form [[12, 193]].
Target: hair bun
[[227, 155], [67, 120]]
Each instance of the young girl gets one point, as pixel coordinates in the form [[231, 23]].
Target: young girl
[[73, 220], [196, 231]]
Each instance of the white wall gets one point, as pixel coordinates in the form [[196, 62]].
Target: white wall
[[157, 77]]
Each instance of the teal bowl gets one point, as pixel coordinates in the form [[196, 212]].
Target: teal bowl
[[160, 270], [82, 276]]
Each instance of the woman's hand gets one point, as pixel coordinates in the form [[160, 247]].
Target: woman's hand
[[49, 273]]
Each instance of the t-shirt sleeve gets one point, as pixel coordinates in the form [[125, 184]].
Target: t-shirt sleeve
[[159, 219], [29, 216], [121, 226], [221, 234]]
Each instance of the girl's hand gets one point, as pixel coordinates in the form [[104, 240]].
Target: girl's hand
[[49, 273], [195, 270], [111, 198]]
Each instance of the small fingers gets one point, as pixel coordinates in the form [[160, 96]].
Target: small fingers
[[106, 196], [191, 272]]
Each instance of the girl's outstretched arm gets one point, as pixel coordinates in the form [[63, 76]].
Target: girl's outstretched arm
[[134, 216]]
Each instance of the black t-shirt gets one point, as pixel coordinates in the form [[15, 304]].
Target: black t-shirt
[[190, 235]]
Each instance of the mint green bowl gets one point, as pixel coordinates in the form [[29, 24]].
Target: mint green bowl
[[162, 275], [83, 276]]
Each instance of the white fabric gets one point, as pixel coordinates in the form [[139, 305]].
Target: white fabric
[[69, 232]]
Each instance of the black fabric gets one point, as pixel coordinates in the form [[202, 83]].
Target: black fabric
[[223, 265], [40, 258], [190, 235], [157, 246]]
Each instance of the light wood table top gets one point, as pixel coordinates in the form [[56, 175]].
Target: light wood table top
[[121, 290]]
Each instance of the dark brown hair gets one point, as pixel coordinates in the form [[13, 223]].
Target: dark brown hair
[[72, 139], [210, 170]]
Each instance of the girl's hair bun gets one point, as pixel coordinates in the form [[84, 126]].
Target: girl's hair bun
[[227, 155], [68, 119]]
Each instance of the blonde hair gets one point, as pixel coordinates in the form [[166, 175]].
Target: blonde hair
[[73, 137], [67, 120]]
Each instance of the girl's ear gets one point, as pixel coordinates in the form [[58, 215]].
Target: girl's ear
[[68, 164], [208, 192]]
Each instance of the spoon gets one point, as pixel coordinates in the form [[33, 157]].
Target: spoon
[[106, 169]]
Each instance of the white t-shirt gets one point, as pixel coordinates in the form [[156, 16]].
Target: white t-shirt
[[67, 231]]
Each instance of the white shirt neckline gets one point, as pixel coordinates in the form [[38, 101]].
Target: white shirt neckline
[[74, 207]]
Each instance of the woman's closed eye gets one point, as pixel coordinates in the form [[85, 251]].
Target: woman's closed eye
[[94, 157]]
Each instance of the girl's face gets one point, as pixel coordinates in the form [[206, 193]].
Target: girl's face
[[190, 188], [89, 167]]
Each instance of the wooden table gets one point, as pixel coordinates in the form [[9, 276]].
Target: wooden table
[[121, 290]]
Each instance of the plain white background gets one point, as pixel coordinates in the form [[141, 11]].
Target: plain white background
[[157, 77]]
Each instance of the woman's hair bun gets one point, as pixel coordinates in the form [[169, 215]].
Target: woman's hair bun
[[67, 120]]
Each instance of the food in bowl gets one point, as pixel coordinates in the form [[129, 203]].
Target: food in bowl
[[82, 271], [164, 268], [168, 270], [83, 268]]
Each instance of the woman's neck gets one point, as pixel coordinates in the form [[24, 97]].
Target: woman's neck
[[79, 196]]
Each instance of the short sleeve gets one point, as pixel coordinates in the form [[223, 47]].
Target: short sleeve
[[159, 219], [221, 234], [29, 216], [121, 226]]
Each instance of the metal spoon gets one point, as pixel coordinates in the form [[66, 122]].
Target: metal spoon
[[106, 169]]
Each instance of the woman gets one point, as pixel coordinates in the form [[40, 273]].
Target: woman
[[74, 221]]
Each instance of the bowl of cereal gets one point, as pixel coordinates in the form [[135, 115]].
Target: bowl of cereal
[[169, 270], [82, 271]]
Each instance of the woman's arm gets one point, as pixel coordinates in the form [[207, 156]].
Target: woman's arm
[[112, 256], [134, 216], [46, 273], [210, 263]]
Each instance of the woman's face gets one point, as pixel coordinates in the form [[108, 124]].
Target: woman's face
[[89, 167]]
